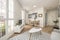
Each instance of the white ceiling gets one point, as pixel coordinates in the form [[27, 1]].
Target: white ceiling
[[48, 4]]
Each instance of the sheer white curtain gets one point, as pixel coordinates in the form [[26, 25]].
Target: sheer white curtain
[[10, 15]]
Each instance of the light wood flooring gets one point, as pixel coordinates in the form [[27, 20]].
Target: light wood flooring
[[47, 29]]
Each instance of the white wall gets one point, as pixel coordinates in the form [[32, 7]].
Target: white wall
[[17, 11], [23, 16], [26, 17], [59, 22], [51, 16], [42, 19]]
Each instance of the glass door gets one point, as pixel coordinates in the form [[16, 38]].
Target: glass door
[[2, 17]]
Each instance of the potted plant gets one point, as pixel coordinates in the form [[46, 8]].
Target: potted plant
[[56, 26]]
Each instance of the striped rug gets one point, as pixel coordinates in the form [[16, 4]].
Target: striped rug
[[35, 36]]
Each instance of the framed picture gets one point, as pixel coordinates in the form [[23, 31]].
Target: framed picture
[[40, 15], [30, 16], [33, 15]]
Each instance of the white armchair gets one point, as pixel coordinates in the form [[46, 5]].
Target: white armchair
[[18, 28]]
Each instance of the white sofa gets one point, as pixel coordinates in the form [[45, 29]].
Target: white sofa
[[55, 35], [18, 28]]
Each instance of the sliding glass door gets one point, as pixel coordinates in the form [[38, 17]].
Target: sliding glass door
[[2, 17]]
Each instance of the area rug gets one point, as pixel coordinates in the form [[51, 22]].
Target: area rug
[[35, 36]]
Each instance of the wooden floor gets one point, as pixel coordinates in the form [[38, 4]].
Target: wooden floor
[[47, 29]]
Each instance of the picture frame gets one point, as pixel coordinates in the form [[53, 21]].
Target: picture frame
[[33, 15]]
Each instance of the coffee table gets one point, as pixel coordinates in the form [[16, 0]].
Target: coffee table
[[34, 30]]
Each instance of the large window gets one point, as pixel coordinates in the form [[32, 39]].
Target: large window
[[6, 16]]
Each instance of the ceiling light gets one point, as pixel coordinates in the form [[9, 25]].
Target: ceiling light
[[34, 6]]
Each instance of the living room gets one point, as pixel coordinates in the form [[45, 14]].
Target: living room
[[31, 20]]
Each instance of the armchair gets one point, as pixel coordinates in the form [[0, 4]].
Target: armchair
[[18, 28]]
